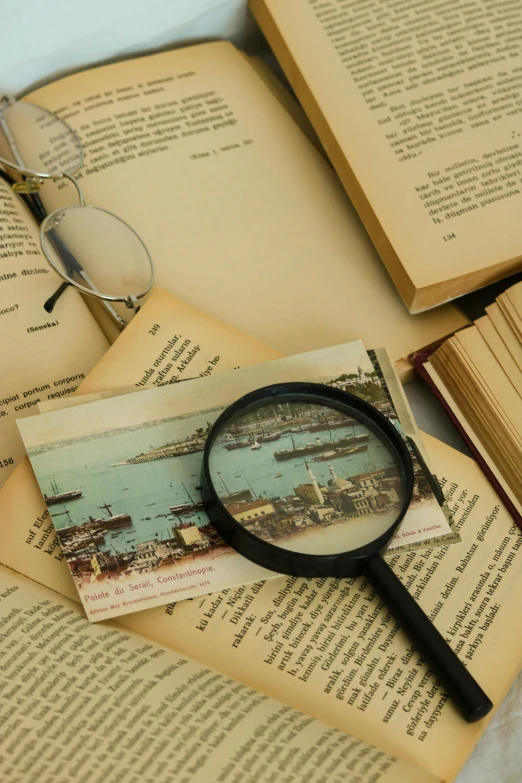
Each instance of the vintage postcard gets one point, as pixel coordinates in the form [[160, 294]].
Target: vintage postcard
[[122, 479]]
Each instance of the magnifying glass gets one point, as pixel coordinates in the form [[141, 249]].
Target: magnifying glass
[[329, 481]]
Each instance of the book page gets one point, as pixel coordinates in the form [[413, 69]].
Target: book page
[[470, 433], [485, 415], [172, 341], [417, 109], [500, 350], [169, 341], [515, 296], [294, 109], [243, 217], [41, 356], [333, 650], [493, 377], [93, 702], [507, 306], [504, 329]]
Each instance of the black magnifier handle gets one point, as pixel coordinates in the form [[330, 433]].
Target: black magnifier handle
[[467, 695]]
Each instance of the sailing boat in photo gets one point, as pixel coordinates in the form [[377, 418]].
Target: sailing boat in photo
[[61, 497], [112, 520], [187, 508]]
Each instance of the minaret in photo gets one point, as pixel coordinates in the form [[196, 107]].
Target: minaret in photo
[[315, 485]]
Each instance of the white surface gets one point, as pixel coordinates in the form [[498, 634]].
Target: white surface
[[43, 39], [498, 756]]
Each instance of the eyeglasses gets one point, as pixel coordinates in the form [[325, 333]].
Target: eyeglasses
[[90, 248]]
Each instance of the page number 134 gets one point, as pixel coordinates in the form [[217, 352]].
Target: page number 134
[[447, 237]]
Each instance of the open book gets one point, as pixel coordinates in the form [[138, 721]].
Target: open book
[[477, 375], [418, 110], [244, 218], [100, 702], [326, 648]]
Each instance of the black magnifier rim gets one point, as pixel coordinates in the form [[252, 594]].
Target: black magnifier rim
[[270, 555]]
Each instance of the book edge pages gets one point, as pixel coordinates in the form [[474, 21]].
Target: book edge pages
[[471, 434]]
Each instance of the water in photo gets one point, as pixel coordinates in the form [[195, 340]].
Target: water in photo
[[319, 481], [127, 507]]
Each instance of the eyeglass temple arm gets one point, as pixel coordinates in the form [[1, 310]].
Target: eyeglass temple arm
[[35, 205], [112, 312], [50, 303]]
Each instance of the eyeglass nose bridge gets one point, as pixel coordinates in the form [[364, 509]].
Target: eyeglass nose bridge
[[76, 185]]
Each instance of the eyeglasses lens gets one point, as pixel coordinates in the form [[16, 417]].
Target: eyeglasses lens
[[36, 141], [93, 248]]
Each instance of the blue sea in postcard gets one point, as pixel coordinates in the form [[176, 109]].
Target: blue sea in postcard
[[147, 490]]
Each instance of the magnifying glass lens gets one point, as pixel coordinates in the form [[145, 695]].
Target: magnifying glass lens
[[307, 477]]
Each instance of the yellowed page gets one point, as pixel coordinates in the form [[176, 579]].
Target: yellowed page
[[504, 329], [514, 294], [487, 418], [478, 443], [83, 702], [287, 100], [500, 351], [419, 124], [172, 341], [508, 307], [243, 217], [42, 356], [331, 648], [169, 340], [79, 399], [493, 377]]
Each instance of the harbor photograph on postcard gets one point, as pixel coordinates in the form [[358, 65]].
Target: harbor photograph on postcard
[[121, 477], [127, 507]]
